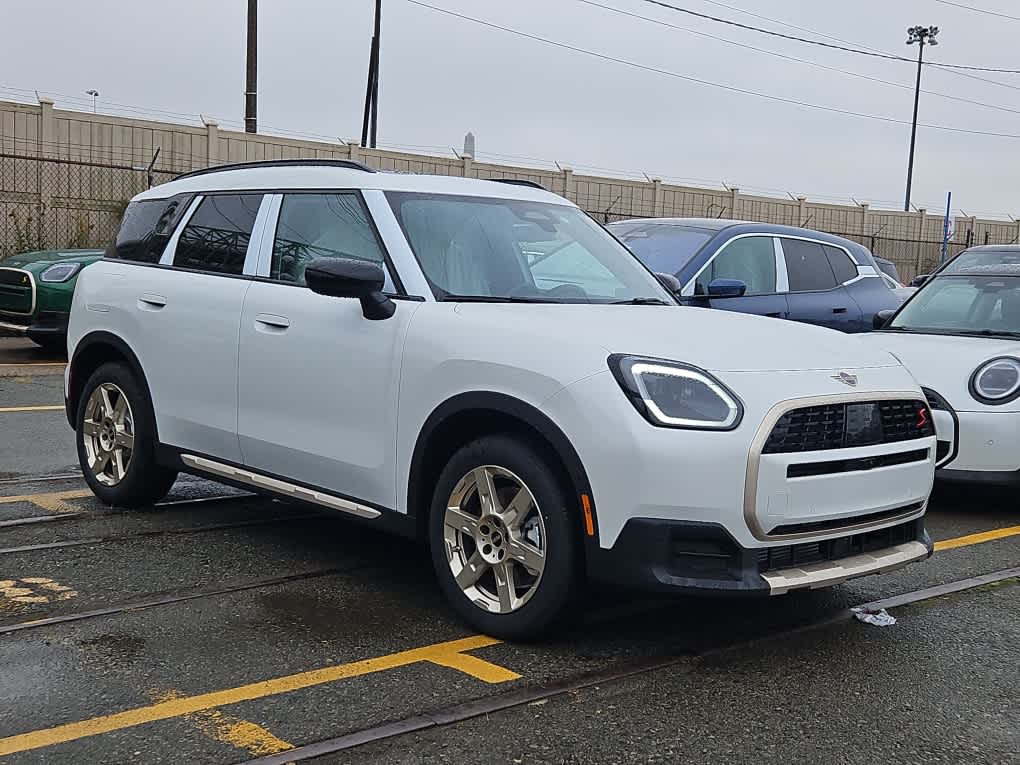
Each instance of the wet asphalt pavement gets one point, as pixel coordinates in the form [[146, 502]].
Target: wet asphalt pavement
[[221, 627]]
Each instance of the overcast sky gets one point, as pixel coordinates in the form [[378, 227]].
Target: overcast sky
[[442, 76]]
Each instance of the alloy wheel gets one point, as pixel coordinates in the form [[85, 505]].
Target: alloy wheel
[[108, 431], [495, 539]]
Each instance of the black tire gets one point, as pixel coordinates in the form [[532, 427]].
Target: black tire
[[561, 575], [144, 481]]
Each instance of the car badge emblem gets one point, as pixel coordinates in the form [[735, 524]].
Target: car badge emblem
[[846, 378]]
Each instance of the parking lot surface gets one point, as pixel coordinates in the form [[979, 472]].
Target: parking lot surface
[[220, 627]]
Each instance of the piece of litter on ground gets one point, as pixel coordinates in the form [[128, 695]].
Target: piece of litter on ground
[[879, 618]]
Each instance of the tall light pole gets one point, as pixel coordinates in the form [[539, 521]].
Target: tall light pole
[[251, 69], [370, 124], [95, 95], [917, 35]]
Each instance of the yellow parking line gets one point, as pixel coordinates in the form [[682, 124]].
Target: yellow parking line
[[51, 500], [31, 409], [443, 654], [974, 539], [243, 734]]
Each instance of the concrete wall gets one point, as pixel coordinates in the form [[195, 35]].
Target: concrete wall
[[65, 176]]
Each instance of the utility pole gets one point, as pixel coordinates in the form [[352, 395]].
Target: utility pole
[[251, 74], [370, 124], [918, 35]]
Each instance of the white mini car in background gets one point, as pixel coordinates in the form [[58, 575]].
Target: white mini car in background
[[960, 337], [481, 366]]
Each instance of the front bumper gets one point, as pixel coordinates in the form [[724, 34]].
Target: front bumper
[[985, 447], [42, 326], [703, 558]]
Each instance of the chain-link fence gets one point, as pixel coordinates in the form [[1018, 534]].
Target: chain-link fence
[[64, 204], [48, 203]]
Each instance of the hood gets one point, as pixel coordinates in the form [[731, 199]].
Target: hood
[[718, 341], [34, 260], [945, 363]]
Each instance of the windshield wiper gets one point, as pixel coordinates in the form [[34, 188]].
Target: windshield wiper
[[641, 301], [493, 299]]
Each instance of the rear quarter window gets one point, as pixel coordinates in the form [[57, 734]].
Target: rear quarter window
[[146, 227]]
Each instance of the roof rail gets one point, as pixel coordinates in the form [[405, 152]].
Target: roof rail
[[519, 182], [346, 163]]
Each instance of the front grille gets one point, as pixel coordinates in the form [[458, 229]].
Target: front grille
[[838, 523], [16, 291], [806, 553], [807, 469], [847, 425]]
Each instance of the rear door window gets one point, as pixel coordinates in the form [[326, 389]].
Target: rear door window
[[807, 266], [844, 268], [215, 238], [146, 227]]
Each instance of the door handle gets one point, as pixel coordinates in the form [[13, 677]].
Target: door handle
[[271, 321], [149, 301], [839, 310]]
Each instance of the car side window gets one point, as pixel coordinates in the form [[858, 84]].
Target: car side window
[[145, 228], [314, 226], [844, 268], [216, 237], [807, 266], [751, 259]]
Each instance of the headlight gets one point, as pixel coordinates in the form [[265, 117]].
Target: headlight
[[59, 272], [676, 395], [997, 381]]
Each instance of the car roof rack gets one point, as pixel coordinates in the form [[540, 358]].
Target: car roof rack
[[520, 182], [345, 163]]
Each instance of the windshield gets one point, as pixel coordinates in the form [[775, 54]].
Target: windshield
[[664, 248], [963, 305], [983, 259], [483, 248]]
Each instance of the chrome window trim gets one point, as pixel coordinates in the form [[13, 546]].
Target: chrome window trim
[[264, 264], [688, 289], [31, 281], [758, 444]]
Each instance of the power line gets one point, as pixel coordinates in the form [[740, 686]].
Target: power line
[[808, 41], [709, 83], [805, 61], [788, 25], [979, 10]]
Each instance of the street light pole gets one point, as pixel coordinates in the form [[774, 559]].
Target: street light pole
[[369, 125], [95, 94], [251, 73], [918, 35]]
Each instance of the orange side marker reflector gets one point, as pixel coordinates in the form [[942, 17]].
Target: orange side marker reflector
[[589, 522]]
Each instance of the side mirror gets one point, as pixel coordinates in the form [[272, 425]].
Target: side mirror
[[344, 278], [919, 280], [881, 318], [726, 288], [669, 281]]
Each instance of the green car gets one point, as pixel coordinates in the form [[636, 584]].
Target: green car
[[36, 290]]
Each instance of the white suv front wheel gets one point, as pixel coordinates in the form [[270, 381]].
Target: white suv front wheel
[[503, 545]]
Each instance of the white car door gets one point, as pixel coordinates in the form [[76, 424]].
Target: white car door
[[317, 381], [187, 313]]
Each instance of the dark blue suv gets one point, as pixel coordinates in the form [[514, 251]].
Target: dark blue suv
[[782, 271]]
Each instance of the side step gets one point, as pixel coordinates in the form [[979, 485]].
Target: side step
[[277, 486]]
